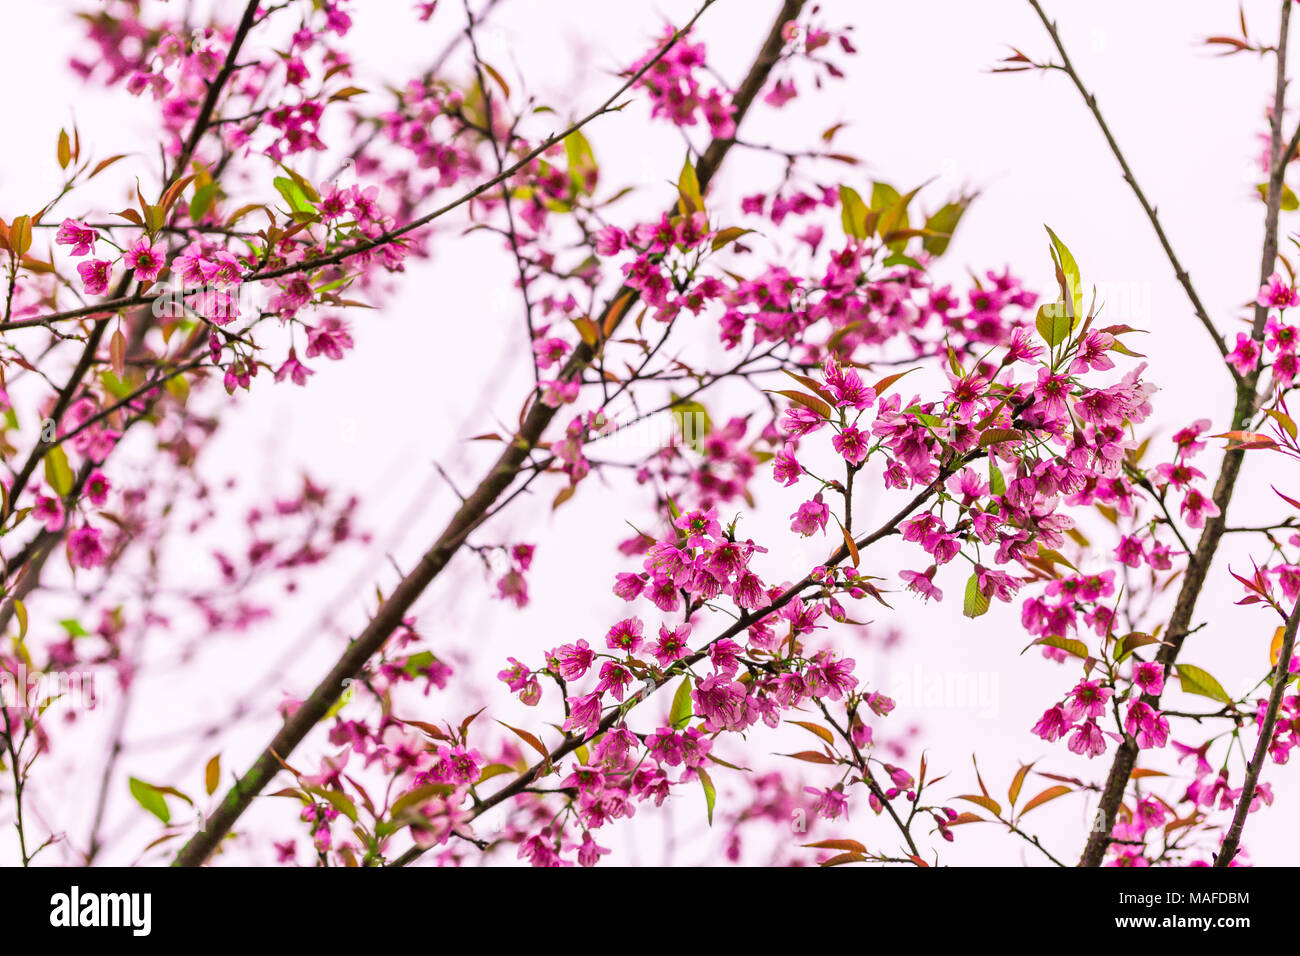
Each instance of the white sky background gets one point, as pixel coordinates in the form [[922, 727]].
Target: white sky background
[[918, 103]]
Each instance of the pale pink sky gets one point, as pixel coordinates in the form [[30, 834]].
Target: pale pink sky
[[919, 103]]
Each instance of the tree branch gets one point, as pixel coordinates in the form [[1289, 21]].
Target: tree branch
[[473, 510]]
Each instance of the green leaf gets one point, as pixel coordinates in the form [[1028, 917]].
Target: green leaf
[[74, 628], [853, 213], [1053, 323], [688, 190], [417, 663], [202, 201], [293, 194], [892, 210], [710, 794], [944, 224], [58, 474], [338, 799], [682, 709], [1070, 269], [725, 237], [1289, 202], [883, 196], [976, 602], [149, 797], [985, 801], [997, 436], [1067, 644], [1196, 681], [344, 699], [899, 259], [582, 162], [997, 481]]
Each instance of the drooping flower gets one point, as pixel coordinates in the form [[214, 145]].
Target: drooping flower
[[94, 275], [78, 235], [811, 517], [1087, 739], [86, 547], [1053, 725]]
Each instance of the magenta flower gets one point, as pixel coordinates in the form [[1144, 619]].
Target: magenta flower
[[628, 585], [1088, 739], [330, 338], [556, 392], [786, 468], [221, 269], [1053, 725], [831, 803], [1087, 700], [293, 370], [610, 241], [1196, 507], [571, 661], [49, 511], [720, 701], [589, 852], [922, 582], [1150, 676], [625, 636], [86, 548], [799, 421], [94, 275], [1276, 294], [97, 489], [811, 517], [584, 714], [146, 259], [852, 444], [1245, 356], [699, 526], [78, 235], [672, 644]]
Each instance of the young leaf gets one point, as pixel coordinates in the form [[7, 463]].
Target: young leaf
[[149, 797], [1070, 269], [710, 794], [682, 709], [1053, 323], [1196, 681], [853, 213], [942, 225], [212, 775], [1051, 793], [690, 200], [58, 473], [976, 601]]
